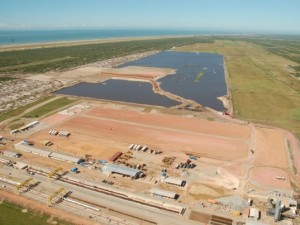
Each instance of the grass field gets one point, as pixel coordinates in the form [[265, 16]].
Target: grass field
[[285, 46], [58, 58], [3, 79], [261, 84], [50, 107], [16, 126], [11, 214], [22, 109]]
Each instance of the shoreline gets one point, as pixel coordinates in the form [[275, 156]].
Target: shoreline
[[83, 42]]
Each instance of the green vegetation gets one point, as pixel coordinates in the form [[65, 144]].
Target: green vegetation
[[199, 75], [210, 118], [294, 168], [297, 71], [16, 126], [12, 214], [50, 107], [58, 58], [22, 109], [296, 114], [285, 46], [3, 79], [262, 88]]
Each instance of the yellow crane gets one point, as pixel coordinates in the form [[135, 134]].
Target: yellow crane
[[19, 186], [50, 198], [51, 174]]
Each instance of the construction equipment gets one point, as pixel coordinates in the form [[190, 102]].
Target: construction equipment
[[51, 197], [46, 143], [74, 170], [193, 157], [194, 154], [23, 184], [236, 213], [28, 142], [51, 174]]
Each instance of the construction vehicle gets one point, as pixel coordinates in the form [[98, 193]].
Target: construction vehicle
[[23, 184], [51, 197], [74, 170], [193, 157], [54, 172]]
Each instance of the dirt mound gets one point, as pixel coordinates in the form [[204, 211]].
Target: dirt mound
[[204, 191]]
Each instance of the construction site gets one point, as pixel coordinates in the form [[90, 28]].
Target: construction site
[[112, 163]]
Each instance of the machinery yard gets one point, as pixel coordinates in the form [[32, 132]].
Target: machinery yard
[[171, 164]]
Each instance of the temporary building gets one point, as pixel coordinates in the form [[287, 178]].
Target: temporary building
[[115, 156], [45, 153], [14, 131], [65, 158], [31, 149], [163, 193], [27, 126], [20, 165], [4, 161], [11, 154], [254, 213], [246, 212], [175, 181], [124, 170]]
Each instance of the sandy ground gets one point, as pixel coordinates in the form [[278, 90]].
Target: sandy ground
[[229, 130], [162, 138], [270, 148], [267, 176], [95, 74], [103, 129], [137, 71], [54, 119]]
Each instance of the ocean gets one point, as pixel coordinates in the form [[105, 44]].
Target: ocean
[[42, 36]]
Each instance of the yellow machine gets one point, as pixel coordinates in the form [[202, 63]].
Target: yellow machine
[[23, 184], [51, 174], [236, 213], [51, 197]]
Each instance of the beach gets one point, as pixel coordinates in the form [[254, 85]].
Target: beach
[[63, 43]]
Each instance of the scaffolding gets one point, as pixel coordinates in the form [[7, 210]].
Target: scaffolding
[[51, 197], [54, 172], [23, 184]]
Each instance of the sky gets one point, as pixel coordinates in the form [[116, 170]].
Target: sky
[[262, 16]]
